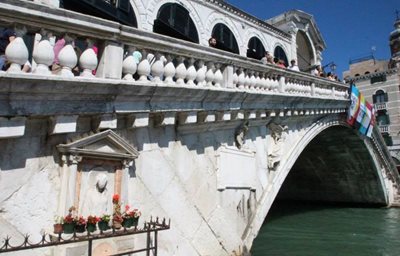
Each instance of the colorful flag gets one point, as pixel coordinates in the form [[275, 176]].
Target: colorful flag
[[365, 122], [361, 114], [372, 123], [354, 106], [361, 110]]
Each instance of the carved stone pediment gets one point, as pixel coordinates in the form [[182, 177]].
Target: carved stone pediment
[[104, 145]]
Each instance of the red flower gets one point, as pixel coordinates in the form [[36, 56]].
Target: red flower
[[115, 198], [69, 219], [92, 219], [80, 220]]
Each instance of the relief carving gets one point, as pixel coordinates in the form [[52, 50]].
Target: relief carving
[[278, 134], [240, 134]]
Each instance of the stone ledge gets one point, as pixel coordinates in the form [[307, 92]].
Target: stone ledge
[[34, 95]]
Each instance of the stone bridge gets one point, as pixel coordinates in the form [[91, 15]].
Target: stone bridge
[[207, 138]]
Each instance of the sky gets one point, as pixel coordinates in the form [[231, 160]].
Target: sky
[[350, 28]]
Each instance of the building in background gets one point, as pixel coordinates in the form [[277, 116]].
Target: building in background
[[379, 81]]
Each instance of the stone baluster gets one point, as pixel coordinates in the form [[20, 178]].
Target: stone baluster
[[252, 81], [218, 77], [43, 55], [269, 84], [303, 88], [235, 78], [17, 54], [247, 80], [275, 84], [68, 60], [201, 73], [169, 71], [263, 82], [181, 71], [191, 73], [157, 69], [241, 79], [88, 60], [282, 84], [143, 68], [129, 66], [288, 86], [210, 74], [295, 87]]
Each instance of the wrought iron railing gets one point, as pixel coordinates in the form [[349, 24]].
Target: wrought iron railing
[[48, 240]]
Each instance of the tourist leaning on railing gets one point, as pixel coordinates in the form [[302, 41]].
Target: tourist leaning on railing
[[6, 36], [293, 66]]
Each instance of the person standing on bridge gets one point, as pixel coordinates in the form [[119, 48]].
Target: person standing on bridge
[[293, 66]]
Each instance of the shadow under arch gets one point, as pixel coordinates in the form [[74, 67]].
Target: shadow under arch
[[120, 11], [330, 143], [174, 20], [336, 167]]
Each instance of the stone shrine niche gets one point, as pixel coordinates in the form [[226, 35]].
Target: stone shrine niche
[[94, 168], [96, 182]]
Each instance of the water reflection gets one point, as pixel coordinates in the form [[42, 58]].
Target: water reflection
[[307, 229]]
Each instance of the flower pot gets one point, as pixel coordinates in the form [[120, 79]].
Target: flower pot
[[103, 225], [127, 223], [80, 228], [68, 228], [91, 227], [58, 228], [135, 221]]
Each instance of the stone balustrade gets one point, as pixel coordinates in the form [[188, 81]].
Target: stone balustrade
[[162, 68], [173, 80], [173, 62]]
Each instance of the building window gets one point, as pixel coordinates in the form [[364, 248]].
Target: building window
[[388, 139], [280, 54], [174, 20], [120, 11], [382, 119], [255, 49], [380, 97], [377, 79], [225, 38]]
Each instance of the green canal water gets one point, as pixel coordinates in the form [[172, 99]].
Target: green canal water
[[304, 229]]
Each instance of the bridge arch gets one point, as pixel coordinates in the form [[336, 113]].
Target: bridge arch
[[281, 174]]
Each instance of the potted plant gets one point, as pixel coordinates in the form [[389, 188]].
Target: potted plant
[[104, 222], [69, 221], [135, 216], [126, 218], [58, 224], [130, 217], [91, 223], [80, 224]]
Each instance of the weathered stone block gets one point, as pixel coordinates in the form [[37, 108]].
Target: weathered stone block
[[12, 127]]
